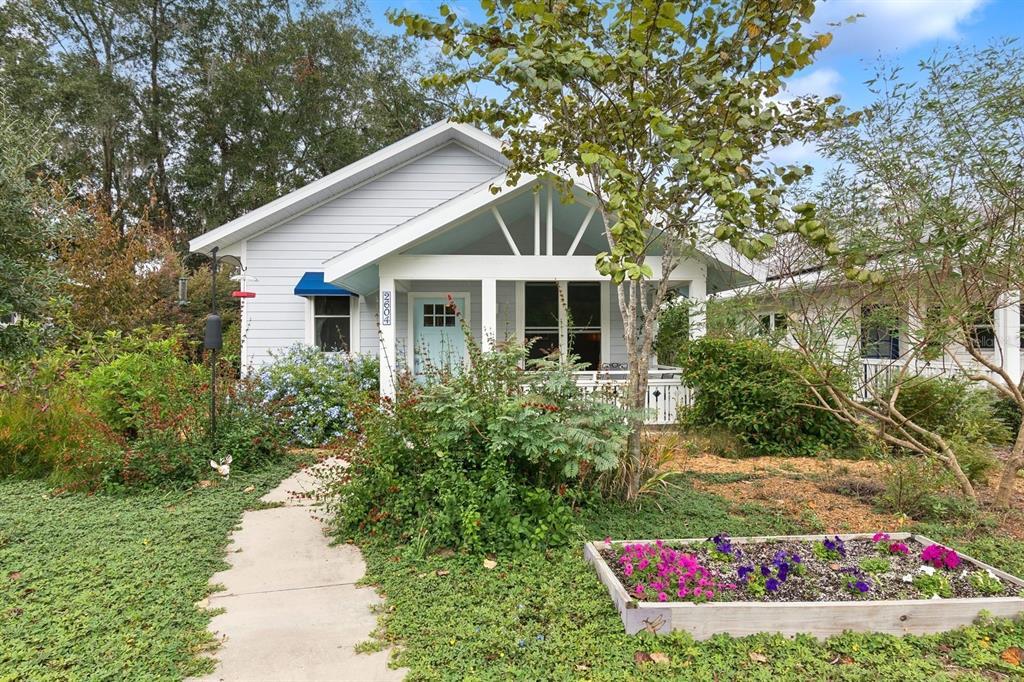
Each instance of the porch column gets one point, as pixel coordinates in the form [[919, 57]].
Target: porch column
[[1007, 324], [388, 358], [488, 313], [698, 293]]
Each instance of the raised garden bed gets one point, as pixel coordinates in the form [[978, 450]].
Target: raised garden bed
[[820, 585]]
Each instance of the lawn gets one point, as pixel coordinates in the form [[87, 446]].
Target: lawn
[[546, 615], [105, 587]]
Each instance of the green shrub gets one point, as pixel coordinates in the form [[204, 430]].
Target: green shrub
[[1007, 411], [123, 411], [755, 393], [40, 434], [251, 429], [485, 459], [320, 388], [140, 386], [964, 415]]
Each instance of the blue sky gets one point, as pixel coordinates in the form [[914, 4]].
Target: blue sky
[[900, 31]]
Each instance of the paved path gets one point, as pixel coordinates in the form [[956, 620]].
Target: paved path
[[292, 610]]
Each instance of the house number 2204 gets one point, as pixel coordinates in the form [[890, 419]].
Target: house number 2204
[[385, 308]]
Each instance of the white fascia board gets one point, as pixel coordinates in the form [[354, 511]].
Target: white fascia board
[[339, 181], [421, 227], [515, 268]]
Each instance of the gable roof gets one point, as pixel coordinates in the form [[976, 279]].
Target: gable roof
[[360, 171], [424, 225], [481, 198]]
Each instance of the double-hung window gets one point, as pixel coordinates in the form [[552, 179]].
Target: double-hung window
[[879, 332], [983, 330], [332, 323]]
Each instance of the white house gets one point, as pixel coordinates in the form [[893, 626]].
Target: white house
[[370, 258], [883, 336]]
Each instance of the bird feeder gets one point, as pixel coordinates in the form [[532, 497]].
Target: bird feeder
[[242, 293]]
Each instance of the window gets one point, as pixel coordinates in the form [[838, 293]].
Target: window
[[983, 331], [773, 322], [332, 323], [581, 320], [542, 318], [584, 322], [439, 315], [879, 332]]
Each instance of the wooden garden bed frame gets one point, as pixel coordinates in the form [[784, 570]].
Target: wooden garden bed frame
[[818, 618]]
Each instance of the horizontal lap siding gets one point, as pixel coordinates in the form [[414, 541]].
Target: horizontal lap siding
[[275, 319]]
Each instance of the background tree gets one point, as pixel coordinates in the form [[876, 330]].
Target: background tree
[[191, 113], [665, 110], [32, 221], [931, 188]]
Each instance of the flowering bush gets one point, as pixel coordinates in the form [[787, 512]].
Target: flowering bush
[[857, 582], [940, 557], [487, 458], [832, 549], [662, 573], [721, 548], [881, 540], [770, 577], [320, 389]]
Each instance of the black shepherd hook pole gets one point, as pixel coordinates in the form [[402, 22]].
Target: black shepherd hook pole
[[213, 341]]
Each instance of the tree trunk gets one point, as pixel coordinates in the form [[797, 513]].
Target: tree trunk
[[1008, 479]]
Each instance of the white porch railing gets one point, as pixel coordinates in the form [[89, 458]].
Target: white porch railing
[[876, 373], [665, 390]]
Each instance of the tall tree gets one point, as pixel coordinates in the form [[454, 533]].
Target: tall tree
[[32, 222], [931, 186], [666, 109], [192, 112], [282, 94]]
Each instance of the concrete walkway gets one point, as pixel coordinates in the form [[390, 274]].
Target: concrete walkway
[[292, 610]]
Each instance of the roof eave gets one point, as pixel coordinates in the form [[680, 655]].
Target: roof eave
[[318, 191]]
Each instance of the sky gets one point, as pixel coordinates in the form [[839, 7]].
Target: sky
[[901, 32]]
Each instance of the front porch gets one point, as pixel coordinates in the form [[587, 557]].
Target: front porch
[[554, 302]]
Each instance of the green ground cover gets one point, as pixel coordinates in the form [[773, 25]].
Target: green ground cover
[[105, 587], [546, 615]]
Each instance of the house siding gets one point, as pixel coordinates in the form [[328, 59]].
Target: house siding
[[277, 258]]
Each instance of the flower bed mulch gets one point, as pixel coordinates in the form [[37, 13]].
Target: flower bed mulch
[[785, 570]]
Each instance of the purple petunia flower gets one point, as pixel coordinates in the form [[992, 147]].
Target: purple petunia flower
[[861, 586], [772, 585]]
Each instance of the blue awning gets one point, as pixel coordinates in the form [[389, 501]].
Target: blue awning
[[313, 284]]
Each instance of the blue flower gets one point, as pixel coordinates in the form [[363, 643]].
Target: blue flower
[[772, 585], [765, 571]]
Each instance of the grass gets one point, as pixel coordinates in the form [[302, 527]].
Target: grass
[[105, 587], [545, 615]]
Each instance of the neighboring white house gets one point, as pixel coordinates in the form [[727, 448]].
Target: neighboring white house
[[370, 258], [883, 337]]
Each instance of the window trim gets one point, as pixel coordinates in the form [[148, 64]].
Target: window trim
[[354, 326]]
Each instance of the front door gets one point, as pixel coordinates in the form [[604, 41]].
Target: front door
[[438, 341]]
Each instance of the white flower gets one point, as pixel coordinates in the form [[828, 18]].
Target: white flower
[[927, 570], [935, 596], [992, 575], [409, 445], [908, 578]]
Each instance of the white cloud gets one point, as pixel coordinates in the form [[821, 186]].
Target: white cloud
[[821, 82], [892, 25]]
